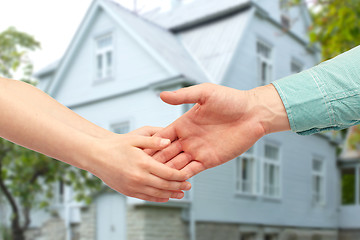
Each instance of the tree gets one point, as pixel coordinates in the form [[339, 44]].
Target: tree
[[335, 26], [27, 176]]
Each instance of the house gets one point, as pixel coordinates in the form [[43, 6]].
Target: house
[[285, 187]]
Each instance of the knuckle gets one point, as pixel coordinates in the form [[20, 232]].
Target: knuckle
[[166, 185], [137, 178]]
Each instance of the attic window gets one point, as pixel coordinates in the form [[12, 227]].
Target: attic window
[[104, 57], [285, 22]]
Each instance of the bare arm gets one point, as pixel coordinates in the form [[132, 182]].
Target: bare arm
[[36, 121]]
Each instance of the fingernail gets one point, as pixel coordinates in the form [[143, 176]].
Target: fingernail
[[180, 195], [165, 142], [187, 186]]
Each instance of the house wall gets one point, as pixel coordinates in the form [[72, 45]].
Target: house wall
[[133, 66], [242, 72], [298, 16], [215, 188]]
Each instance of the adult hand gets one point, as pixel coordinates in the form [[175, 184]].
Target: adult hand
[[223, 124], [126, 168]]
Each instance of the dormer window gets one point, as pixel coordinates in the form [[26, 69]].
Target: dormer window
[[104, 57], [284, 14]]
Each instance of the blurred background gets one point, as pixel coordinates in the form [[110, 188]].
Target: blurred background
[[109, 60]]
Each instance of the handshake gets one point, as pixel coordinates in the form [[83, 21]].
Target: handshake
[[153, 164], [150, 163]]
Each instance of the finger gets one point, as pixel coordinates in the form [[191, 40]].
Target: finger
[[168, 153], [193, 94], [167, 133], [179, 161], [193, 168], [159, 193], [168, 185], [150, 142], [150, 198], [165, 172], [146, 131]]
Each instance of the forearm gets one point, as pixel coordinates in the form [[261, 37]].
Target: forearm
[[35, 98], [33, 128]]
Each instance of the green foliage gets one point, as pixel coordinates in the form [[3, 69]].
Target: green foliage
[[335, 26], [14, 47], [348, 187]]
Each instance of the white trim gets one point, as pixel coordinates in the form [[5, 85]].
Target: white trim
[[81, 33], [253, 158], [277, 163], [72, 48], [263, 59], [139, 40], [103, 52], [322, 174]]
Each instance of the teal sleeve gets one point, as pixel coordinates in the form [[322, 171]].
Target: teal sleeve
[[325, 97]]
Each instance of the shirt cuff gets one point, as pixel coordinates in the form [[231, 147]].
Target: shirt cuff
[[305, 102]]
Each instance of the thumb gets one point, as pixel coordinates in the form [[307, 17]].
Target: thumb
[[193, 94], [151, 142]]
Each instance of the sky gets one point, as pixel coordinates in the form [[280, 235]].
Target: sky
[[52, 23]]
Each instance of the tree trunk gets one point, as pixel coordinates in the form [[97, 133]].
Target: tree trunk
[[17, 233]]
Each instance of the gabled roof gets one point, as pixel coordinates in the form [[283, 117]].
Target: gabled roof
[[196, 12], [161, 44]]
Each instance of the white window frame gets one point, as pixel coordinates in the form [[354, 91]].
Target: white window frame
[[298, 64], [277, 165], [261, 59], [107, 72], [251, 157], [318, 199]]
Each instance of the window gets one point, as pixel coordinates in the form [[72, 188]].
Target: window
[[245, 182], [248, 236], [121, 128], [264, 63], [316, 237], [296, 67], [285, 16], [271, 171], [272, 236], [348, 186], [318, 181], [104, 57]]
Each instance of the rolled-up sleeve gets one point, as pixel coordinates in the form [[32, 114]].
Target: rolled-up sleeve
[[325, 97]]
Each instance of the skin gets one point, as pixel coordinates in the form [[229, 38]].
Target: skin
[[223, 124], [32, 119]]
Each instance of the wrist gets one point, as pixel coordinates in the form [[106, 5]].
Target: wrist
[[271, 113]]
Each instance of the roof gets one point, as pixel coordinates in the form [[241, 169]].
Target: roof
[[48, 69], [196, 12], [163, 42]]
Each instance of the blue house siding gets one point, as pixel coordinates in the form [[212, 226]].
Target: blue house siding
[[242, 72], [133, 67], [140, 108], [215, 189]]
